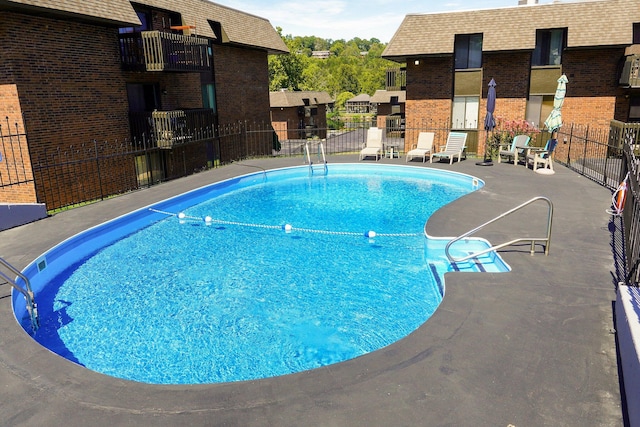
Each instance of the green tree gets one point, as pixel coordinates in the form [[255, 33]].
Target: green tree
[[342, 99], [345, 78], [354, 66], [285, 71], [316, 77]]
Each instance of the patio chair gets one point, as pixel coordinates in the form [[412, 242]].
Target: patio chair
[[456, 144], [543, 157], [514, 151], [373, 146], [423, 147]]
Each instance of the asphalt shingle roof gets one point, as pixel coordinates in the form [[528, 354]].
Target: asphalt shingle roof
[[384, 96], [114, 11], [589, 23], [289, 98], [363, 97], [238, 27]]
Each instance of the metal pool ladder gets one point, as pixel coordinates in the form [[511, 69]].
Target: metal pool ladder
[[533, 240], [32, 307], [321, 157]]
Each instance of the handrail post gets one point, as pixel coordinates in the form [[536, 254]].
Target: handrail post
[[27, 293], [522, 239]]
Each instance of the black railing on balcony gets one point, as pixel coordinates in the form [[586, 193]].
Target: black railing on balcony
[[166, 129], [160, 51], [396, 79]]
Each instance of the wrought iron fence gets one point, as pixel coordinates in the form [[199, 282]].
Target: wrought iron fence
[[90, 171], [631, 217], [14, 156], [631, 214], [593, 152], [609, 157]]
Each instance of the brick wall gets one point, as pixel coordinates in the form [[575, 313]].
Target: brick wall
[[242, 84], [593, 89], [70, 86], [593, 95], [242, 91], [72, 91], [16, 176], [289, 124]]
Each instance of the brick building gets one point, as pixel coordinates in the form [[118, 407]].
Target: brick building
[[451, 57], [389, 107], [158, 74], [299, 114]]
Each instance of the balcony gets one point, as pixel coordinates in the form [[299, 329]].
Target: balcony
[[166, 129], [630, 72], [160, 51], [396, 79]]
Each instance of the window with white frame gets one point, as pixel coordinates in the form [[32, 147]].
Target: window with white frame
[[464, 114]]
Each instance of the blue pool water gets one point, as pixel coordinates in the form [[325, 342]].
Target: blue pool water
[[258, 276]]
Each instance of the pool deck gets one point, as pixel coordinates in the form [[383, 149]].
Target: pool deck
[[531, 347]]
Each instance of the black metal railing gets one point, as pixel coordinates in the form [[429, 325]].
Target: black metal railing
[[85, 172], [396, 79], [161, 51], [592, 152], [166, 129], [15, 167]]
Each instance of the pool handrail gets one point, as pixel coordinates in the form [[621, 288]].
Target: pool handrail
[[32, 307], [321, 155], [533, 240]]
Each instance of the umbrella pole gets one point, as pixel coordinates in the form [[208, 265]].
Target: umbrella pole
[[487, 149], [488, 160]]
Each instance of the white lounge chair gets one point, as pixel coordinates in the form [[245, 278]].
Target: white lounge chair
[[373, 145], [423, 147], [456, 144], [514, 150], [543, 157]]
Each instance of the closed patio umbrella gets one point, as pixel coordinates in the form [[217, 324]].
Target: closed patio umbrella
[[554, 121], [489, 121]]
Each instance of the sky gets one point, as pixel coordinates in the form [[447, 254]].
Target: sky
[[347, 19]]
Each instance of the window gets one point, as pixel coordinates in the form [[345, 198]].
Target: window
[[636, 33], [634, 109], [209, 96], [143, 97], [144, 19], [538, 109], [464, 114], [468, 51], [549, 46]]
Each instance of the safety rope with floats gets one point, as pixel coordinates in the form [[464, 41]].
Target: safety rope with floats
[[619, 198], [287, 228]]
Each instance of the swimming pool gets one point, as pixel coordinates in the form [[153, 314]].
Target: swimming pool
[[352, 273]]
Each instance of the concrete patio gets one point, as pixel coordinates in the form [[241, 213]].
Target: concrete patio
[[531, 347]]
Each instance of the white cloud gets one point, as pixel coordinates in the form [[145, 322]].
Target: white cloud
[[338, 19]]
